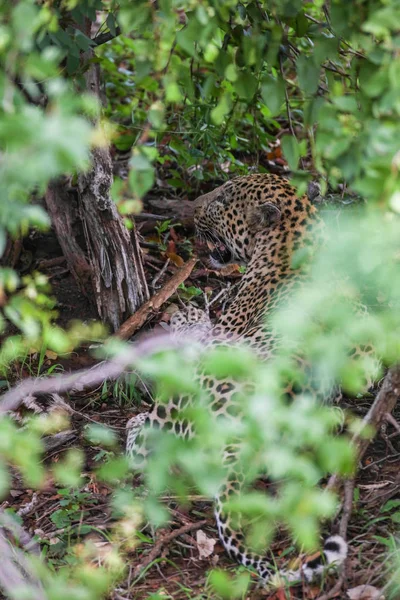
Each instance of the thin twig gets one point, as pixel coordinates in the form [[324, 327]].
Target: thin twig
[[144, 216], [287, 101], [347, 507], [160, 273], [384, 403], [165, 539], [334, 591], [390, 419]]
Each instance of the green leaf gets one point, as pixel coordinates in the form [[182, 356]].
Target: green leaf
[[223, 107], [188, 36], [73, 63], [124, 141], [389, 505], [307, 74], [291, 150], [223, 362], [301, 24], [68, 472], [111, 23], [373, 81], [100, 434], [156, 114], [231, 72], [273, 93], [245, 85], [83, 41], [337, 455], [346, 103], [229, 588], [141, 181], [4, 481], [325, 48], [114, 469]]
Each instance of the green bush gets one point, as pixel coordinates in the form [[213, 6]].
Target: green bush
[[198, 91]]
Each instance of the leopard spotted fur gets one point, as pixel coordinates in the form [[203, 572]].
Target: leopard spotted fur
[[259, 221]]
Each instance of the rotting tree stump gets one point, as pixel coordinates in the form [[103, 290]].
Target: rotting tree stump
[[109, 268], [118, 278]]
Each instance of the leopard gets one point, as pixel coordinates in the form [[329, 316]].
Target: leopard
[[258, 221]]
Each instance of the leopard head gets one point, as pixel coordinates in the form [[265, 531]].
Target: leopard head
[[231, 218]]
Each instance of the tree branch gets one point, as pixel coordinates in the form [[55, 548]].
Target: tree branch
[[90, 378], [103, 38], [166, 539]]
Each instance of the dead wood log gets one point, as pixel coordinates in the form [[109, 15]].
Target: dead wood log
[[115, 258], [112, 257], [11, 253], [117, 271]]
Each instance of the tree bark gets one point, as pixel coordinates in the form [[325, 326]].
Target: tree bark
[[117, 272], [64, 213], [112, 259]]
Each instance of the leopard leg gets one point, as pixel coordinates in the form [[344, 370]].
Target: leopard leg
[[136, 449], [192, 322], [162, 416]]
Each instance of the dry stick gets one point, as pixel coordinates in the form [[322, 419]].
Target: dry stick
[[16, 570], [165, 539], [160, 274], [138, 319], [384, 403], [90, 378], [347, 506], [334, 591], [51, 262]]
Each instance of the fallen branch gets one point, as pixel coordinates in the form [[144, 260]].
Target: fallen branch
[[384, 403], [165, 539], [93, 377], [332, 593], [17, 571], [137, 320], [51, 262]]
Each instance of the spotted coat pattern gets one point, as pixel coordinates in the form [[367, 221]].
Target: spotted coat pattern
[[259, 221]]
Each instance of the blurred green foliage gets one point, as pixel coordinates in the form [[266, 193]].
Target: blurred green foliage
[[200, 91]]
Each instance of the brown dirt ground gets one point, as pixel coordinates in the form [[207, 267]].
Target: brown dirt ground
[[179, 573]]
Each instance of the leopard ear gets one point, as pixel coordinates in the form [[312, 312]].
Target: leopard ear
[[264, 216], [225, 195]]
